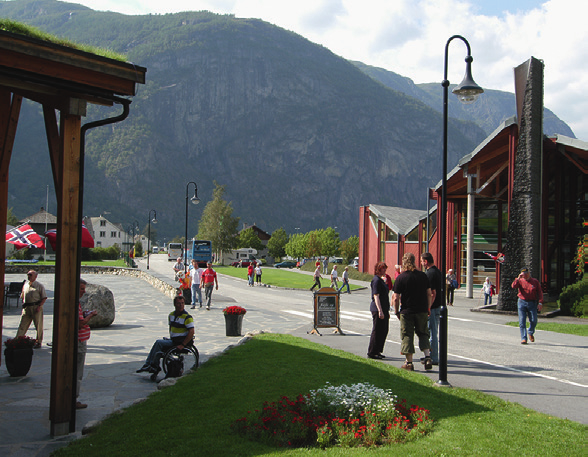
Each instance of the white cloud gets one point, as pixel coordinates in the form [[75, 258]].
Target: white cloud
[[409, 36]]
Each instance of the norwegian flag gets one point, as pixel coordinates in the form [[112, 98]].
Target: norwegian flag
[[24, 236], [87, 240]]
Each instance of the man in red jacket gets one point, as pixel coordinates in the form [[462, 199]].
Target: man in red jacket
[[530, 301]]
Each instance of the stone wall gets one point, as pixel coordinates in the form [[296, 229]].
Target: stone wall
[[164, 287]]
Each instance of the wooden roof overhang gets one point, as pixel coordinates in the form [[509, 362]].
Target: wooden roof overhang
[[48, 73], [489, 165], [60, 79]]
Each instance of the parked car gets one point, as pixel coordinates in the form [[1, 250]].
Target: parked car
[[354, 263], [241, 263], [286, 264]]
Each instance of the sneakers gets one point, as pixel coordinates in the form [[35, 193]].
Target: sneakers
[[531, 338], [408, 366], [428, 363], [432, 361], [37, 345], [145, 367], [524, 342], [193, 307]]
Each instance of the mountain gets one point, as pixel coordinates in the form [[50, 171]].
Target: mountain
[[489, 111], [300, 137]]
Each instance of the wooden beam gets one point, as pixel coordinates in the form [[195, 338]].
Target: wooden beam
[[9, 113], [54, 143], [63, 383]]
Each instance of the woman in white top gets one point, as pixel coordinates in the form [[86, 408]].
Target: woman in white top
[[487, 289]]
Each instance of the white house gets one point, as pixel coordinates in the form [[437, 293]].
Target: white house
[[106, 233]]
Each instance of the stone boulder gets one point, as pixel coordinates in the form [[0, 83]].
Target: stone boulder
[[101, 299]]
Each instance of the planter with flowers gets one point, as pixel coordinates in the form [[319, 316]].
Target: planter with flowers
[[234, 319], [18, 355]]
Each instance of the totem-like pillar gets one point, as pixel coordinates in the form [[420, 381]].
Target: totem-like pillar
[[523, 247]]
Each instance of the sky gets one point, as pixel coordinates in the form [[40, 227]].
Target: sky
[[408, 37]]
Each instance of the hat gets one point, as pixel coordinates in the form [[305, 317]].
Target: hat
[[524, 270]]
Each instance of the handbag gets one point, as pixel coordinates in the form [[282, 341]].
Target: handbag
[[454, 283]]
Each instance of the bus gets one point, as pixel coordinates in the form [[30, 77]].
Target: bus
[[202, 252], [174, 250]]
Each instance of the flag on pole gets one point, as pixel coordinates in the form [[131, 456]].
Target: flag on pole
[[24, 236], [87, 240]]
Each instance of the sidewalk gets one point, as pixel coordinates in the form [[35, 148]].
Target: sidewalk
[[114, 354]]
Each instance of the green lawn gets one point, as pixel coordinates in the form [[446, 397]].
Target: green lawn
[[194, 416], [570, 329], [281, 277]]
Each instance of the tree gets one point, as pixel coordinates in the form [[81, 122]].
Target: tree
[[350, 248], [138, 249], [249, 239], [296, 246], [217, 223], [330, 242], [277, 243], [11, 219], [313, 243]]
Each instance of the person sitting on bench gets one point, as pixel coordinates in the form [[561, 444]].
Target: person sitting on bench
[[181, 332]]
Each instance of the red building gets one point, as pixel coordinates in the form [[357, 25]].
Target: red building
[[485, 177]]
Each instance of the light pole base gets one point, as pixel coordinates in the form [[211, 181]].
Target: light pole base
[[442, 384]]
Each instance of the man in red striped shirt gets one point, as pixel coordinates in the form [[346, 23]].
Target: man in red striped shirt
[[83, 337]]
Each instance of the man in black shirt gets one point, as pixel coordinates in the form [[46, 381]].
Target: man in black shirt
[[435, 279]]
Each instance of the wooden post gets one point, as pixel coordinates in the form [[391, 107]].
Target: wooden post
[[9, 113], [63, 362]]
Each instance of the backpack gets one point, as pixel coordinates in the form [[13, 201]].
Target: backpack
[[175, 367]]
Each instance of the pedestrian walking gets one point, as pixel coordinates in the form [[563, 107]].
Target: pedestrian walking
[[345, 280], [529, 303], [209, 279]]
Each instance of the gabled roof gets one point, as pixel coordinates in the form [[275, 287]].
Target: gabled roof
[[400, 220], [40, 217]]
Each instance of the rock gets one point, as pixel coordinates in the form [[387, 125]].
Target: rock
[[101, 299]]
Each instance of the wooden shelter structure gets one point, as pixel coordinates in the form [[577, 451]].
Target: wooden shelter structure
[[64, 80]]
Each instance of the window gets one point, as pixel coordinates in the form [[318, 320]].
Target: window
[[102, 223], [112, 234], [102, 234]]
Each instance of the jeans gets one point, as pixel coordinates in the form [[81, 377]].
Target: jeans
[[434, 333], [196, 290], [527, 307], [487, 299], [345, 283], [157, 351], [208, 294]]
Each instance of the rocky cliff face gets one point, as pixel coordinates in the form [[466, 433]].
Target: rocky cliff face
[[300, 136]]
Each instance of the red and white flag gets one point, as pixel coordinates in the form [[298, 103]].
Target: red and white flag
[[24, 236], [87, 240]]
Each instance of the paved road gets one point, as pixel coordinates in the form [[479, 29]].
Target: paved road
[[484, 354]]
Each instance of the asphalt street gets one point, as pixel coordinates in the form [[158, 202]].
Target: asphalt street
[[483, 353]]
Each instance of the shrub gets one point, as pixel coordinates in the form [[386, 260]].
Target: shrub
[[573, 300]]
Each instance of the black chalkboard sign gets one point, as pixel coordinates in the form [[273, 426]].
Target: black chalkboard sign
[[326, 309]]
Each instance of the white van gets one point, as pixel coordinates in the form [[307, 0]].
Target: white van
[[174, 250]]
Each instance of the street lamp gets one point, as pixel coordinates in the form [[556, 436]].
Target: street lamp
[[195, 200], [149, 220], [467, 92]]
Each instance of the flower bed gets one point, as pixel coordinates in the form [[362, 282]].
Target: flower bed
[[349, 416]]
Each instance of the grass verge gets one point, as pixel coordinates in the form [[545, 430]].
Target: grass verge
[[194, 416], [570, 329], [280, 278]]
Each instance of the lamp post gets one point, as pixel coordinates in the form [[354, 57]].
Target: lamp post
[[467, 92], [195, 200], [149, 220]]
